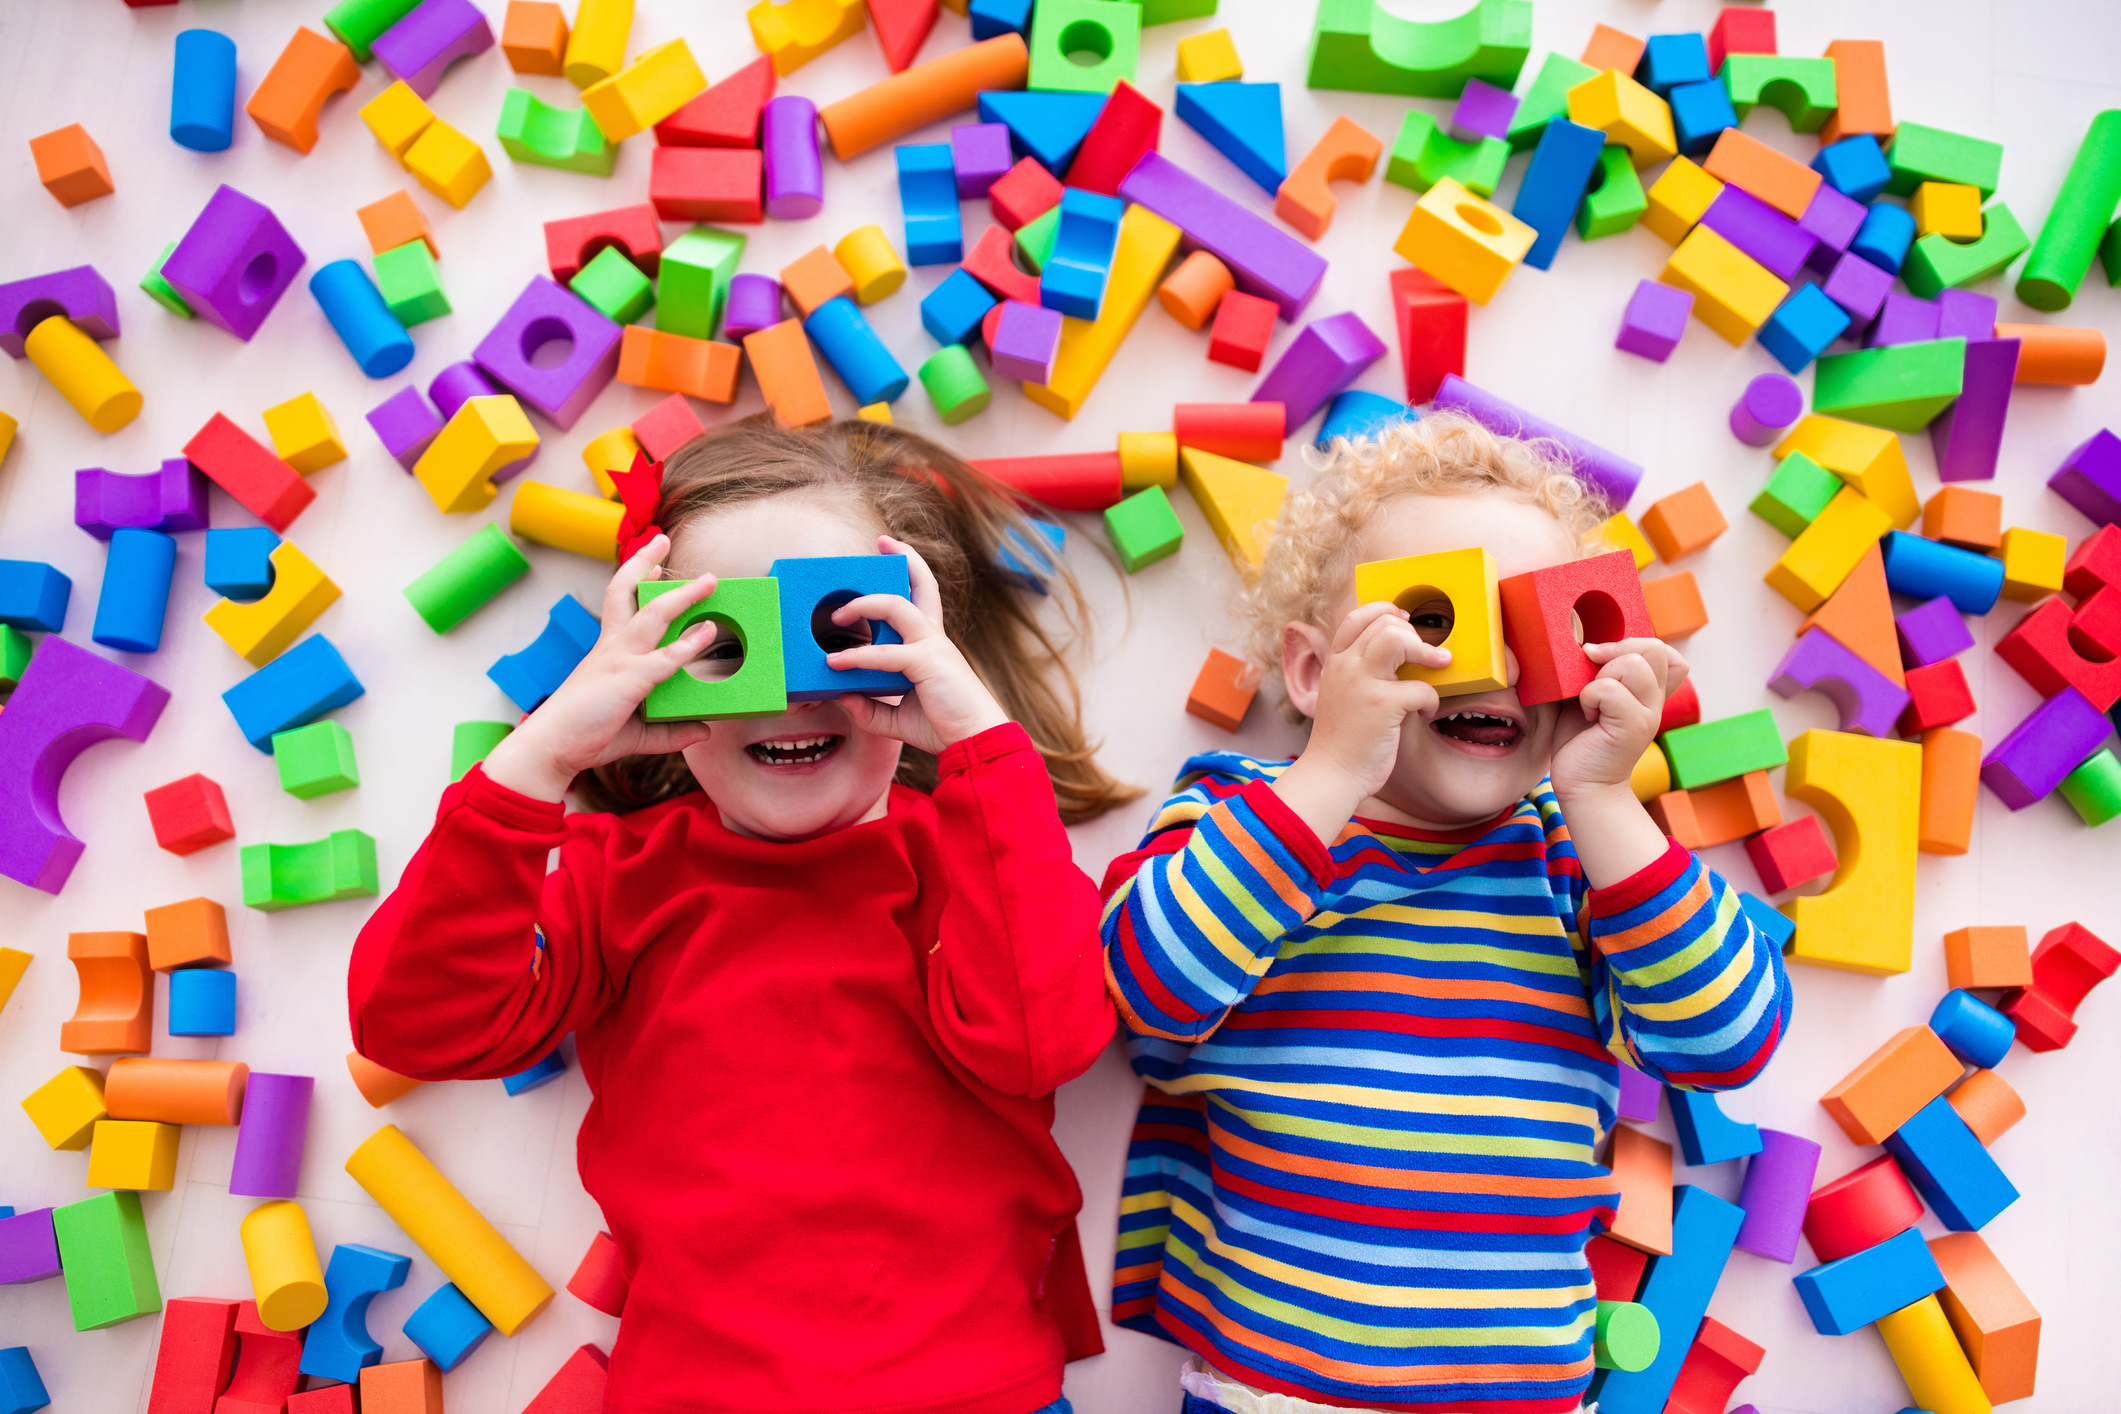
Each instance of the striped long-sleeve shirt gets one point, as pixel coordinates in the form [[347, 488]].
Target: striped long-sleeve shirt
[[1364, 1170]]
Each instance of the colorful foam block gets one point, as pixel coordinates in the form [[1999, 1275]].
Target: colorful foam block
[[1868, 792], [1956, 1176], [2068, 963], [1850, 1293]]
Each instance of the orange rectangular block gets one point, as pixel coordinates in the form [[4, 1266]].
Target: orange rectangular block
[[193, 933], [1718, 814], [1962, 516], [1899, 1078], [1683, 522], [285, 104], [394, 221], [1223, 691], [1782, 182], [787, 372], [1866, 105], [815, 277], [1674, 602], [1997, 1326], [699, 368], [1951, 783], [1859, 617], [402, 1387], [1347, 153], [1612, 49], [1642, 1168], [1988, 957], [70, 165], [534, 37], [116, 1013]]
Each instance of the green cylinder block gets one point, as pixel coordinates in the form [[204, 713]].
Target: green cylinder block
[[2094, 788], [1627, 1337], [360, 23], [466, 578], [954, 384], [2079, 219]]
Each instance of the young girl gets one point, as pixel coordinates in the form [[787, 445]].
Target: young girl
[[823, 985], [1378, 990]]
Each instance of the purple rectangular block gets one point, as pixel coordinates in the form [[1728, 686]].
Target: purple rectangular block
[[1483, 111], [795, 173], [1962, 314], [1266, 262], [544, 314], [173, 498], [1026, 340], [1868, 700], [1832, 220], [1777, 1188], [29, 1249], [1614, 476], [1968, 435], [405, 424], [1858, 287], [2053, 740], [79, 293], [435, 35], [1904, 320], [1639, 1095], [2090, 478], [1655, 320], [1759, 230], [234, 263], [980, 152], [1930, 633], [270, 1140], [1326, 357]]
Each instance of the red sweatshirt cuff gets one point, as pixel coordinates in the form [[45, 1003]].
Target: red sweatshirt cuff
[[1288, 827], [497, 802], [1644, 884], [990, 745]]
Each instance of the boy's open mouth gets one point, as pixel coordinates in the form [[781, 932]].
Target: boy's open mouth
[[1476, 728], [794, 751]]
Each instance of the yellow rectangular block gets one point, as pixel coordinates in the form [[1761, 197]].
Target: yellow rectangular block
[[1868, 459], [656, 84], [1628, 114], [1622, 533], [1946, 209], [2032, 563], [303, 434], [1146, 243], [1209, 58], [1469, 243], [66, 1107], [397, 116], [448, 163], [133, 1153], [1454, 601], [485, 435], [13, 963], [596, 48], [1678, 200], [1733, 293], [1819, 559], [1236, 497], [1869, 793], [263, 629]]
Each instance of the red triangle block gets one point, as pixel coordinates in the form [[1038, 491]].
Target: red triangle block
[[901, 28], [726, 115]]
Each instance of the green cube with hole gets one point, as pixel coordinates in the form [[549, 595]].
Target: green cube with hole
[[615, 286], [409, 283], [1143, 528], [1084, 46], [315, 760], [723, 685]]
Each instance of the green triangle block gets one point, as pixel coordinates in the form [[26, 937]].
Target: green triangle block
[[1546, 100], [1899, 386]]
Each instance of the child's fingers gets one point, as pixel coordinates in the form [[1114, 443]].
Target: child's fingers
[[619, 593], [927, 596], [1634, 672], [662, 738], [912, 623], [658, 614], [686, 646], [1357, 623], [1654, 651], [1390, 643], [903, 658]]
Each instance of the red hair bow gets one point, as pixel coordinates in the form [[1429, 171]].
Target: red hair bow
[[641, 488]]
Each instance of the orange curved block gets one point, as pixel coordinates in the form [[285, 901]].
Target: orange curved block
[[309, 70], [176, 1091], [1642, 1167], [193, 933], [1347, 153], [378, 1085], [924, 94], [1987, 1105], [1194, 291], [117, 1008], [701, 368]]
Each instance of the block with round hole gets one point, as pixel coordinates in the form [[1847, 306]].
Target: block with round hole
[[748, 610], [1541, 607], [1455, 603], [1064, 30], [810, 589]]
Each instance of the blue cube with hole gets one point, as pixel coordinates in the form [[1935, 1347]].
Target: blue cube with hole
[[810, 590], [239, 562], [543, 1073], [21, 1388], [1883, 238], [953, 310], [991, 18], [1803, 327], [202, 1002], [1855, 167], [1700, 113], [1669, 60], [447, 1327]]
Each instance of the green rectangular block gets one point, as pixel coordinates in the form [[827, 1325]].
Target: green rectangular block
[[2094, 788], [1805, 91], [1034, 241], [15, 648], [1163, 12], [1066, 32], [693, 281], [110, 1273], [1924, 154], [1728, 747], [315, 760], [472, 742], [748, 609], [1937, 262], [1616, 199], [161, 291], [615, 286], [1795, 495], [1143, 528], [1357, 46], [1900, 386], [1546, 100], [534, 131], [1424, 154], [409, 283], [277, 876]]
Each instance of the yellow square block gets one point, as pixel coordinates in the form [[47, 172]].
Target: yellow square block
[[1733, 293], [1628, 114], [262, 629], [2032, 563], [1466, 580], [485, 435], [1621, 533], [1237, 498], [133, 1153], [448, 163], [13, 963], [1146, 243], [1209, 58], [1868, 459], [66, 1107], [303, 434], [397, 116], [1947, 209], [1148, 459], [1678, 200], [1470, 244], [656, 84], [1819, 559]]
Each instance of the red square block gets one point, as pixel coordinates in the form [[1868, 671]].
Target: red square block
[[708, 184], [667, 426], [1793, 853], [1244, 326], [1937, 697], [189, 815], [1740, 30], [1024, 193]]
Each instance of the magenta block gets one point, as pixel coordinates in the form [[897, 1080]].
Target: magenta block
[[80, 294], [234, 263], [1778, 1186], [173, 498], [435, 35], [980, 152], [1930, 633], [1758, 229], [68, 700], [1904, 320], [754, 304], [1483, 111], [1832, 220], [1869, 701], [405, 424], [1266, 261], [1638, 1095], [544, 315], [1967, 436], [270, 1140], [795, 175], [1769, 404], [1655, 319], [1614, 476], [2053, 740], [2090, 478], [1326, 357], [1026, 339], [1962, 314], [29, 1250], [1858, 287]]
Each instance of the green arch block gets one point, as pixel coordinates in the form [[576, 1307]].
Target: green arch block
[[1356, 46]]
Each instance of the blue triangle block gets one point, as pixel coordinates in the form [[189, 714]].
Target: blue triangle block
[[1047, 126], [1243, 122]]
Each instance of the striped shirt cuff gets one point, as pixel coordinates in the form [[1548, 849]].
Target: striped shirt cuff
[[1644, 884], [1288, 828]]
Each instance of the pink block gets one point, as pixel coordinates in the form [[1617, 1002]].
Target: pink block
[[1968, 435], [435, 35], [1778, 1185], [1655, 320], [667, 426], [1868, 700], [1025, 341], [1769, 404]]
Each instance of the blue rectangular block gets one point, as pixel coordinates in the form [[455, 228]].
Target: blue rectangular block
[[337, 1346], [927, 193], [1672, 59], [952, 311], [810, 590], [1677, 1291], [1849, 1294], [1706, 1134], [1803, 327], [1073, 278], [21, 1389], [1775, 925], [447, 1327], [537, 1076], [202, 1002], [1855, 167], [33, 596], [239, 562], [1554, 185], [532, 674], [292, 691], [1955, 1175]]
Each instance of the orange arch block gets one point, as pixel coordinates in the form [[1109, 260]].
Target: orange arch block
[[1347, 153], [117, 1009], [309, 70]]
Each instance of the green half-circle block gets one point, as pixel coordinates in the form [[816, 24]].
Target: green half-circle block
[[466, 578], [1627, 1337], [1356, 45], [534, 131], [954, 384], [1805, 90], [1424, 154], [1938, 262], [277, 876]]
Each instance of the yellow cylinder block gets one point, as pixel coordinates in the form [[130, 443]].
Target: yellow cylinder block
[[284, 1273], [608, 452], [1931, 1360], [867, 255], [1148, 459], [1652, 776], [83, 373], [566, 520]]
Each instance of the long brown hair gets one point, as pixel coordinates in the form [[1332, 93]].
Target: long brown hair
[[958, 518]]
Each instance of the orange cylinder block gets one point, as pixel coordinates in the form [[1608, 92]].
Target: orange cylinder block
[[377, 1085], [2056, 354], [1193, 291], [924, 94], [1988, 1105], [176, 1091]]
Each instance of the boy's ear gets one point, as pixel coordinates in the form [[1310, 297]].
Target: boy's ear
[[1303, 665]]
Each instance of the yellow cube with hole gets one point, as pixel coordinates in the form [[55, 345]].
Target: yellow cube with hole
[[303, 434], [1623, 534], [140, 1154], [66, 1107], [1946, 209], [1470, 244], [1209, 58], [1628, 114], [2032, 563], [397, 116], [1678, 200], [448, 164], [1465, 582]]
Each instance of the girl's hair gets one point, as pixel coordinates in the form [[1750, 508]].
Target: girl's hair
[[1310, 554], [958, 519]]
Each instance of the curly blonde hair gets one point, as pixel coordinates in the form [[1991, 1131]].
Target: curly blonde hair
[[1310, 554]]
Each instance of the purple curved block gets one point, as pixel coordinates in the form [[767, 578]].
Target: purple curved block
[[270, 1140], [79, 293], [405, 424], [1267, 262], [1930, 633], [795, 174], [1326, 357], [542, 315], [435, 35], [1770, 403], [1967, 436], [68, 700], [1613, 475], [1758, 229], [1778, 1186], [2090, 478], [171, 499], [2054, 739], [754, 304], [234, 263], [1868, 700], [1639, 1095]]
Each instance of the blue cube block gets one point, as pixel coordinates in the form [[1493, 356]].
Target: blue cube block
[[1849, 1294], [1955, 1175], [1924, 569], [239, 562], [1554, 185], [202, 1002], [543, 1073], [1356, 413], [447, 1327], [998, 17], [1706, 1134], [927, 193], [292, 691], [1072, 280], [33, 596], [810, 590], [1672, 59], [1855, 167], [1028, 563], [1973, 1030], [952, 311], [1774, 925], [1700, 113], [21, 1389], [1884, 237], [338, 1346], [1803, 327]]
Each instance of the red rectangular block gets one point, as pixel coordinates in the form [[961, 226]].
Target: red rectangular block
[[1616, 1267], [1432, 331], [708, 184], [242, 466], [196, 1356], [572, 243], [1126, 127], [667, 426], [577, 1388]]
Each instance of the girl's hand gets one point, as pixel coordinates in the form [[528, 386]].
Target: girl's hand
[[948, 702], [1620, 710], [594, 717]]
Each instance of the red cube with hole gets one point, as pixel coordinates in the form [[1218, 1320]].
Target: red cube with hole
[[1244, 326], [189, 815], [2053, 648], [1681, 709], [2096, 565], [1937, 697], [1022, 194], [1793, 853], [1539, 614]]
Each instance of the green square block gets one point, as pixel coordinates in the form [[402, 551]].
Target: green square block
[[1546, 100], [1424, 154], [110, 1273], [409, 283], [277, 876], [1937, 261], [472, 742], [1804, 90], [692, 283], [1900, 386], [1163, 12], [534, 131], [1034, 240], [749, 608], [1924, 154], [1357, 46], [161, 291], [1144, 528], [2094, 788], [1108, 33], [1708, 752], [1795, 494], [615, 286], [315, 760], [15, 648], [1616, 200]]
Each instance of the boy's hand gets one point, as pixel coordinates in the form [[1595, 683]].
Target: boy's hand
[[949, 702], [1598, 749]]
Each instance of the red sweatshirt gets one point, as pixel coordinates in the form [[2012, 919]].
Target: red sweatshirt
[[823, 1074]]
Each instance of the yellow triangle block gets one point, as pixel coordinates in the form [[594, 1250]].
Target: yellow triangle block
[[1867, 458], [1240, 500], [1859, 616]]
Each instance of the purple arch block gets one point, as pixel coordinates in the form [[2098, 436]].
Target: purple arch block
[[1616, 476], [234, 263], [542, 315], [435, 35], [68, 700], [271, 1138], [1778, 1185], [80, 294], [171, 499], [1867, 699]]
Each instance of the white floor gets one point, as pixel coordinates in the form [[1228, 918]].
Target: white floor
[[2028, 75]]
